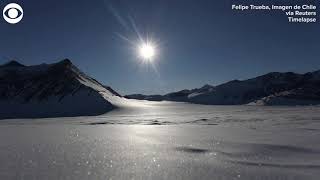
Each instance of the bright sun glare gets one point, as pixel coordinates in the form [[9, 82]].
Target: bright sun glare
[[147, 51]]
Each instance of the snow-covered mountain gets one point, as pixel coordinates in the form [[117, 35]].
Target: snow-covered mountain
[[307, 92], [51, 90], [270, 89]]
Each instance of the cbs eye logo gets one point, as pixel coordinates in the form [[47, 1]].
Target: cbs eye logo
[[12, 13]]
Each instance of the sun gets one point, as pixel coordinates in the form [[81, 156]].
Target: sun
[[147, 51]]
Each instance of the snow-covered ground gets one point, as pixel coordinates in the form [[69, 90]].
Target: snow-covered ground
[[165, 140]]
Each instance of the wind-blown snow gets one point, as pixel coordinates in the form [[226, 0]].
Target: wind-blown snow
[[165, 140]]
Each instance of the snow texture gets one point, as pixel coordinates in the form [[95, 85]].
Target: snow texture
[[165, 140]]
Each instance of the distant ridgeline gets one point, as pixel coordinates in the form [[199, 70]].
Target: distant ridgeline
[[270, 89]]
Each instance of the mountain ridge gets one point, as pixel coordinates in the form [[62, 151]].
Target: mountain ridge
[[51, 90], [12, 63], [291, 88]]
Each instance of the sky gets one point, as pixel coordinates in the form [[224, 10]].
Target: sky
[[198, 41]]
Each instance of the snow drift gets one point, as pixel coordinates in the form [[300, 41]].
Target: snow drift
[[51, 90]]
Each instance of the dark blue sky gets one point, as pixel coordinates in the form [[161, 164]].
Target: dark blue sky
[[200, 42]]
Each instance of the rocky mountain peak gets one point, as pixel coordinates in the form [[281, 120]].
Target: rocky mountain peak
[[12, 63]]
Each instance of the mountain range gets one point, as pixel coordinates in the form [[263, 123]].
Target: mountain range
[[270, 89], [61, 89]]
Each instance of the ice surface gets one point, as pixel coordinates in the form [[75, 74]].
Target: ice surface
[[164, 140]]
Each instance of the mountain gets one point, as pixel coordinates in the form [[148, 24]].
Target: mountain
[[270, 89], [306, 93], [12, 64], [145, 97], [51, 90]]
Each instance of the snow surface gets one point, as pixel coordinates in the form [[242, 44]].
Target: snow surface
[[165, 140]]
